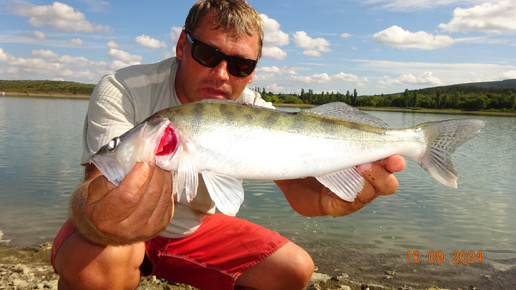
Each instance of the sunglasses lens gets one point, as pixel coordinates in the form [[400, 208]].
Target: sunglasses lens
[[206, 55], [240, 67]]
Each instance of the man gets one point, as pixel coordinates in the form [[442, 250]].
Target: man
[[137, 228]]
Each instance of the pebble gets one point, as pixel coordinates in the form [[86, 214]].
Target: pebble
[[318, 277], [21, 276]]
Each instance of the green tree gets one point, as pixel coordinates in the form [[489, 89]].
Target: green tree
[[354, 100]]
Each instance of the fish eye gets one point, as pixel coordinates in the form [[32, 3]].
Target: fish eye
[[113, 144]]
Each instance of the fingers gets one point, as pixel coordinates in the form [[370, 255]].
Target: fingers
[[394, 163], [139, 208], [335, 206], [379, 180], [379, 177], [157, 203]]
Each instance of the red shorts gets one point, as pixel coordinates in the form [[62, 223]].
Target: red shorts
[[212, 257]]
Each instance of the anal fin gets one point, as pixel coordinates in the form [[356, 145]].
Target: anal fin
[[345, 184]]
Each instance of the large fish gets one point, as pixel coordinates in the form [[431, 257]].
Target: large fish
[[228, 141]]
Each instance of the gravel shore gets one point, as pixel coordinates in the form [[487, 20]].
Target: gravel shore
[[29, 268]]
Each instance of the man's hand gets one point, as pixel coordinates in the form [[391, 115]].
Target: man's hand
[[379, 180], [310, 198], [137, 210]]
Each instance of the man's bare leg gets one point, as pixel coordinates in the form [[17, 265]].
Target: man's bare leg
[[290, 267], [83, 265]]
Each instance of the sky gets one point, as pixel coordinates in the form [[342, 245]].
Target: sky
[[373, 46]]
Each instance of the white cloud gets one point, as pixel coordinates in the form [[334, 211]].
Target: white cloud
[[11, 71], [426, 78], [46, 64], [44, 53], [58, 16], [273, 35], [123, 56], [35, 65], [311, 46], [398, 73], [345, 35], [118, 64], [273, 52], [80, 62], [325, 78], [37, 35], [76, 42], [112, 44], [274, 88], [398, 37], [148, 42], [407, 6], [169, 54], [175, 32], [4, 57], [510, 74], [273, 38], [269, 69], [486, 17], [291, 79], [273, 73]]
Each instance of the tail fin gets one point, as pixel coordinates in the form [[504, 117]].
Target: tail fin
[[442, 140]]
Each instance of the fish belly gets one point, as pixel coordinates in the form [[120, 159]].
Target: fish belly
[[261, 154]]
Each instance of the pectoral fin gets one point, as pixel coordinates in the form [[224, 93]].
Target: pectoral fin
[[345, 184], [187, 177], [227, 192]]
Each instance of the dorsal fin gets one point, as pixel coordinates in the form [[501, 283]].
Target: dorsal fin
[[346, 112]]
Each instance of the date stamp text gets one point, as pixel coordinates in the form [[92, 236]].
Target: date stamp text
[[458, 257]]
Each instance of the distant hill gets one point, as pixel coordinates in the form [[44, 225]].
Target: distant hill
[[45, 87], [500, 85], [497, 86]]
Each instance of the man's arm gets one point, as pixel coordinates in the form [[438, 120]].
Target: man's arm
[[309, 197], [137, 210]]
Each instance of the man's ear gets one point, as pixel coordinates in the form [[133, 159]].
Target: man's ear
[[181, 43]]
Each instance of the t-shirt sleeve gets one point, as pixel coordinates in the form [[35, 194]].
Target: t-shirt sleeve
[[110, 114]]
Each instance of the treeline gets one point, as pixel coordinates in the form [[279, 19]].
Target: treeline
[[309, 97], [462, 97], [46, 87], [451, 97]]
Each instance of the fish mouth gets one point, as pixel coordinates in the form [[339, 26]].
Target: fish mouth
[[110, 167]]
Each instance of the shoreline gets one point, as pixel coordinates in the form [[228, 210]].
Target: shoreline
[[46, 95], [30, 268], [349, 267], [385, 109]]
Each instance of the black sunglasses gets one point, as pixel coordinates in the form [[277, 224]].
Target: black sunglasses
[[211, 57]]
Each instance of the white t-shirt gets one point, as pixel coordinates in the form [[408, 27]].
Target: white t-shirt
[[128, 96]]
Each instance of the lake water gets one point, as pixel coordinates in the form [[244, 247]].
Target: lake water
[[40, 147]]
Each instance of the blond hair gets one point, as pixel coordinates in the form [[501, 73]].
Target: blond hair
[[235, 16]]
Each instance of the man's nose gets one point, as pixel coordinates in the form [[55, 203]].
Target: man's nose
[[220, 72]]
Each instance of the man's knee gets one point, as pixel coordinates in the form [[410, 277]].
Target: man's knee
[[302, 268], [290, 267], [83, 265]]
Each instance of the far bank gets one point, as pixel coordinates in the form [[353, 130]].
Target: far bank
[[44, 95], [386, 109]]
